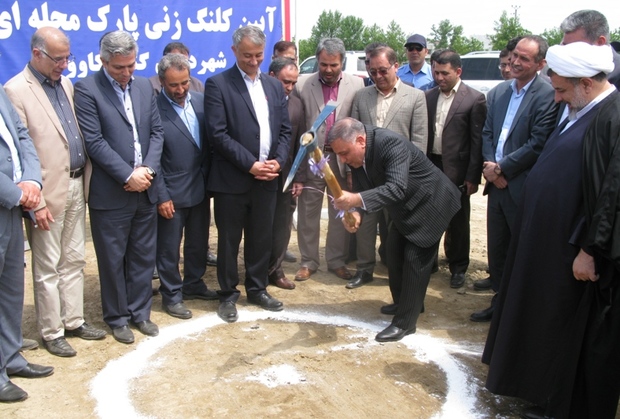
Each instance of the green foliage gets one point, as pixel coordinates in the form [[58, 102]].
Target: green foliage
[[614, 35], [553, 36], [506, 29], [449, 36], [395, 38]]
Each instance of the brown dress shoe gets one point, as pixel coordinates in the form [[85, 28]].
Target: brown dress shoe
[[341, 272], [283, 283], [303, 274]]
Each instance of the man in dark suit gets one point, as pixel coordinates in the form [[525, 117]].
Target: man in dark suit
[[20, 187], [456, 114], [118, 116], [182, 205], [389, 171], [285, 70], [520, 116], [248, 128]]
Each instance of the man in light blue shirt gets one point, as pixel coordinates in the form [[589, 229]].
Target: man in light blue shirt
[[418, 72]]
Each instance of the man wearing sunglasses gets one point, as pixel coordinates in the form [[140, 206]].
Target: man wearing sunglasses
[[418, 73]]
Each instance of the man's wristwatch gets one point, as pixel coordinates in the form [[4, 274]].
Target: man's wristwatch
[[497, 170], [150, 171]]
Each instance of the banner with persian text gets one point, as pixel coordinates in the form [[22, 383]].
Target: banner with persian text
[[205, 27]]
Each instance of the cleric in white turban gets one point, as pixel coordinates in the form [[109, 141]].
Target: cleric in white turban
[[579, 59]]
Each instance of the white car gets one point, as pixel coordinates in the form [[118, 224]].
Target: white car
[[481, 70], [353, 64]]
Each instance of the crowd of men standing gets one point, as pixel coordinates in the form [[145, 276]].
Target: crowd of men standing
[[408, 148]]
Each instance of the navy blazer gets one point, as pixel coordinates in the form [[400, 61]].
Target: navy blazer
[[233, 132], [108, 136], [184, 165]]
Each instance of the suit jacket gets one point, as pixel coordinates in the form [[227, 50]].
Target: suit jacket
[[532, 124], [310, 91], [419, 198], [614, 76], [234, 134], [10, 193], [184, 165], [298, 127], [461, 139], [109, 137], [407, 115], [48, 135]]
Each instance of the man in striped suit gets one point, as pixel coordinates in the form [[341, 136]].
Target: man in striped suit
[[390, 172]]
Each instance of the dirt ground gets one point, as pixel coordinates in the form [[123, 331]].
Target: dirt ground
[[316, 359]]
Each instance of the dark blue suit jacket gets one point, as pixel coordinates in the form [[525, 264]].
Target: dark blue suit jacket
[[109, 138], [183, 164], [234, 134]]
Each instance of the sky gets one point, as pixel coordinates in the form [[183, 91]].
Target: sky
[[477, 17]]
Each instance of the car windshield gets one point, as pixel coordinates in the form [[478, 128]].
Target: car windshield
[[480, 68]]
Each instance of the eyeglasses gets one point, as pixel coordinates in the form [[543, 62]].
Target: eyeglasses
[[60, 61], [383, 71], [503, 66], [415, 47]]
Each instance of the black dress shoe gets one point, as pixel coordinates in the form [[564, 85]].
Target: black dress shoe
[[360, 278], [206, 294], [289, 257], [123, 334], [483, 284], [389, 309], [227, 312], [266, 302], [147, 327], [32, 371], [483, 315], [59, 347], [211, 259], [457, 280], [393, 334], [178, 310], [87, 332], [10, 393]]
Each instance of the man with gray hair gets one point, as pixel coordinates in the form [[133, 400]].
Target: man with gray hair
[[182, 203], [554, 339], [249, 131], [120, 123], [315, 91], [44, 100]]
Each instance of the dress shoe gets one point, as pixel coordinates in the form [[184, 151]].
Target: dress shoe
[[147, 327], [289, 257], [457, 280], [389, 309], [207, 294], [483, 315], [29, 344], [177, 310], [283, 283], [483, 284], [227, 312], [59, 347], [360, 278], [32, 371], [87, 332], [341, 272], [266, 302], [534, 412], [303, 274], [123, 334], [10, 393], [211, 259], [393, 334]]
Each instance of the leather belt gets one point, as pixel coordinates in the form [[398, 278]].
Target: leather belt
[[74, 174]]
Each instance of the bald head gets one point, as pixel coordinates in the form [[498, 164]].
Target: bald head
[[50, 52]]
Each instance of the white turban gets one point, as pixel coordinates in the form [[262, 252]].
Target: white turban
[[579, 59]]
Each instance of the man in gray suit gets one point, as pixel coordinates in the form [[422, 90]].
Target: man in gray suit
[[20, 188], [521, 115], [183, 205], [329, 83], [393, 105], [456, 115], [390, 172], [120, 122]]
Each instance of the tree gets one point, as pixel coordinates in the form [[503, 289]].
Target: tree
[[395, 38], [441, 35], [373, 34], [506, 29], [446, 35], [553, 36], [614, 35]]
